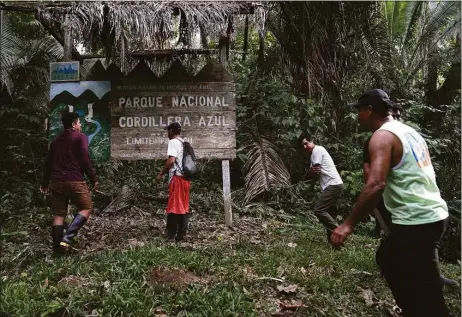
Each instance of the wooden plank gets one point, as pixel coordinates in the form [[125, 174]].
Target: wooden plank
[[148, 102], [157, 141], [189, 120], [209, 154], [125, 87]]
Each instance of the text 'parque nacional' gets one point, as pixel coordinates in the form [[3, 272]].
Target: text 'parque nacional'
[[175, 101]]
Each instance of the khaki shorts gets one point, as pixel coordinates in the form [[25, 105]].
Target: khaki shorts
[[77, 192]]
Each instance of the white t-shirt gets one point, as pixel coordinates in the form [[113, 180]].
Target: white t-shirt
[[329, 175], [175, 148]]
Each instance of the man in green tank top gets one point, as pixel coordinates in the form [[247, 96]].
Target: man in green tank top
[[401, 171]]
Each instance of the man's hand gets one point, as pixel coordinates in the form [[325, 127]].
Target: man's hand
[[316, 170], [159, 177], [44, 189], [340, 234]]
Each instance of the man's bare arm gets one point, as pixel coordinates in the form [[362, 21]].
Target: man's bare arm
[[168, 164], [366, 169], [380, 149]]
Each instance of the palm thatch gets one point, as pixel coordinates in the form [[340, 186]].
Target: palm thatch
[[150, 24], [264, 169]]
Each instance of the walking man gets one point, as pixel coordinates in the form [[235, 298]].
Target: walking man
[[323, 166], [383, 216], [401, 171], [179, 186], [67, 162]]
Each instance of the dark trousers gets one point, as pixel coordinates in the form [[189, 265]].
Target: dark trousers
[[177, 225], [327, 205], [408, 259]]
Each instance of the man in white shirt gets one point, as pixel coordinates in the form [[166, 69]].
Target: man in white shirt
[[323, 166], [178, 197]]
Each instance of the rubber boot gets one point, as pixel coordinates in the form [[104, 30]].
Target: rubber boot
[[172, 226], [182, 227], [73, 229], [57, 235]]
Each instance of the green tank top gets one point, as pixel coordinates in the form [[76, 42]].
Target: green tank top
[[411, 194]]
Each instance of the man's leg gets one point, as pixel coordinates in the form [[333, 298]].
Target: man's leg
[[183, 205], [59, 206], [418, 260], [327, 202], [171, 226], [81, 196], [386, 260], [182, 226]]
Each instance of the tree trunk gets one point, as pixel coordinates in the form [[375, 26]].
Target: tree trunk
[[246, 38], [446, 94], [261, 51]]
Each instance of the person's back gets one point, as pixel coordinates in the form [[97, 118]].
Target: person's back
[[412, 194], [68, 161]]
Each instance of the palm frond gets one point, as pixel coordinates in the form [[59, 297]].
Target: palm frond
[[413, 14], [264, 169], [25, 66], [445, 13]]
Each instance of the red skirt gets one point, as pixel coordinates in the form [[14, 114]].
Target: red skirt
[[178, 195]]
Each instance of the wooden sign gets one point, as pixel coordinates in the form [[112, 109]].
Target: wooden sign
[[64, 71], [141, 110]]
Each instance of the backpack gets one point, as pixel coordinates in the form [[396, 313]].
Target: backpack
[[189, 161]]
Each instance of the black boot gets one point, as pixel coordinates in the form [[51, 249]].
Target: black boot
[[72, 230], [57, 235], [172, 226], [182, 227]]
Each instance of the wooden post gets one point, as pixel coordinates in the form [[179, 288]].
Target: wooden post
[[122, 54], [223, 44], [67, 40]]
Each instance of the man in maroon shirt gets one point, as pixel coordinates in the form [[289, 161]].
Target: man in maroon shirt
[[67, 162]]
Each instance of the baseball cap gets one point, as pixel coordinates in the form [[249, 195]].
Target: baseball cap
[[174, 126], [375, 98]]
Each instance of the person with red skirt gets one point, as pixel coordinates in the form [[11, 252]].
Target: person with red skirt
[[178, 185]]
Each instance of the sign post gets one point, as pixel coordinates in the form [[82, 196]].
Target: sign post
[[225, 163]]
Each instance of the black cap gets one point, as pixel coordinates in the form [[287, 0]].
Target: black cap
[[375, 98], [174, 126]]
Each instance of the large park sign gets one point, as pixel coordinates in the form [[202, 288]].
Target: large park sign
[[143, 105]]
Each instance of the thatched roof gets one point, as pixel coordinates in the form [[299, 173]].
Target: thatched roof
[[150, 24]]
